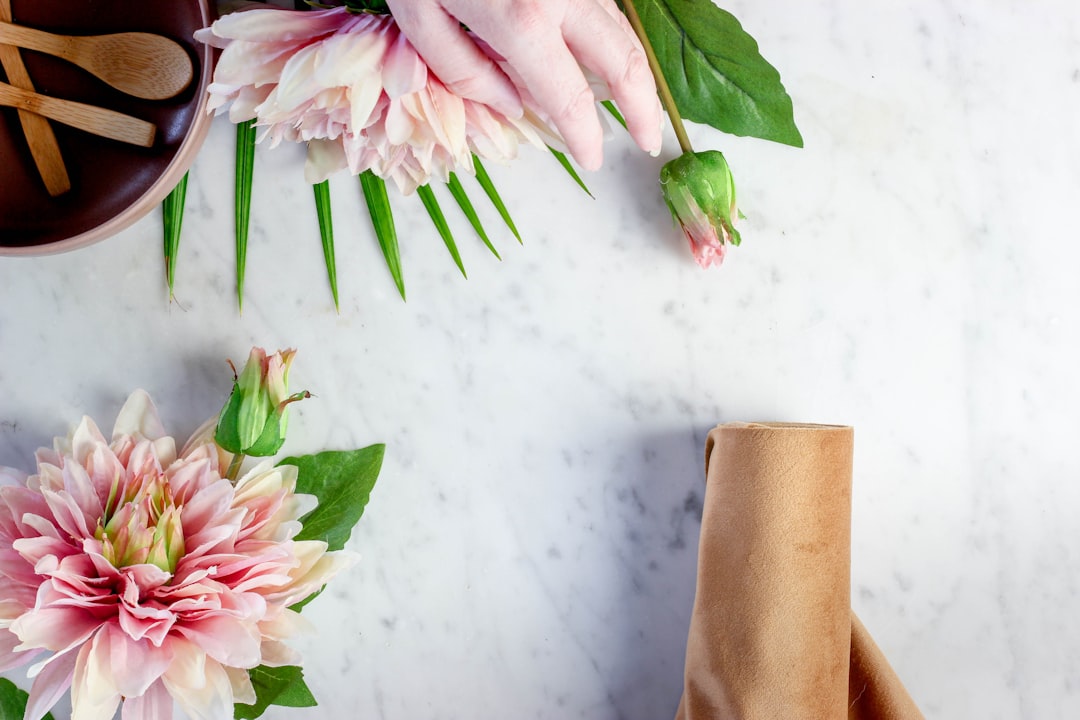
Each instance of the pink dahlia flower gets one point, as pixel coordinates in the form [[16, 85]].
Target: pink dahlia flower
[[354, 88], [130, 573]]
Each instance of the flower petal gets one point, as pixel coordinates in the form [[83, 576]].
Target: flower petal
[[135, 664], [139, 418], [224, 639], [242, 689], [50, 684], [93, 694], [154, 704], [207, 697]]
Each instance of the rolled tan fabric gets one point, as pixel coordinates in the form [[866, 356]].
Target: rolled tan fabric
[[769, 634], [875, 692], [771, 631]]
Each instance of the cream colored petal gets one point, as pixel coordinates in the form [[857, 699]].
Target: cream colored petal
[[242, 689], [203, 435], [285, 625], [93, 694], [139, 418], [324, 158], [210, 699], [86, 437]]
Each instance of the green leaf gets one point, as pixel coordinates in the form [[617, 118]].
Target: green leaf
[[458, 191], [245, 166], [172, 210], [227, 432], [382, 219], [493, 195], [303, 603], [342, 480], [565, 162], [716, 73], [13, 701], [326, 230], [283, 686], [614, 112], [431, 204]]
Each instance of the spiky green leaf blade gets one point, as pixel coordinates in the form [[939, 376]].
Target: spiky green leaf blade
[[283, 686], [614, 112], [172, 211], [431, 204], [484, 179], [382, 219], [716, 72], [326, 230], [13, 701], [458, 191], [565, 162], [245, 167]]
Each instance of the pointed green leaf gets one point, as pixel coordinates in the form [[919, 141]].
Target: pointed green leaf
[[342, 481], [227, 432], [172, 211], [245, 165], [614, 112], [489, 188], [431, 204], [326, 229], [458, 191], [716, 73], [283, 686], [382, 219], [565, 162], [13, 701]]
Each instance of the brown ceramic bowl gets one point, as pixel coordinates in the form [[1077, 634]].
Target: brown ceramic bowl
[[112, 184]]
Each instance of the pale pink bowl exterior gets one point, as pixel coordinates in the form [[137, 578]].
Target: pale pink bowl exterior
[[153, 197]]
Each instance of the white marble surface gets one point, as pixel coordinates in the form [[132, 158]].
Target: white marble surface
[[530, 548]]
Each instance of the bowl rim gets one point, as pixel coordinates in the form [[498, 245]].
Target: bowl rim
[[160, 188]]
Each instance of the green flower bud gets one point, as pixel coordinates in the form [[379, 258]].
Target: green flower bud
[[254, 418], [700, 193]]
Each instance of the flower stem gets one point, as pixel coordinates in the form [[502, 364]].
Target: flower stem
[[661, 82], [234, 467]]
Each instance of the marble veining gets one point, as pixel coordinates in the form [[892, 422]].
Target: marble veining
[[530, 550]]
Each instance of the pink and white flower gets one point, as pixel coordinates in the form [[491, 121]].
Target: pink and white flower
[[354, 88], [131, 573]]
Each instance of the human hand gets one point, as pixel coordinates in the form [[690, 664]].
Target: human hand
[[546, 42]]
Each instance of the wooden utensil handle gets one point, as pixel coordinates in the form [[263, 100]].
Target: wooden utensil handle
[[31, 39], [39, 134], [94, 120]]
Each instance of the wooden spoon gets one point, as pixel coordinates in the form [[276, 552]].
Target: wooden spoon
[[40, 138], [151, 67], [95, 120]]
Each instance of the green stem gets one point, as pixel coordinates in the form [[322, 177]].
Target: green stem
[[234, 467], [661, 82]]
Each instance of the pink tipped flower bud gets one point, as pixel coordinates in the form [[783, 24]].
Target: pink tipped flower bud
[[254, 417], [700, 193]]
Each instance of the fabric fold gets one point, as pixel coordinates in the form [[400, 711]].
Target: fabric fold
[[771, 633], [874, 689]]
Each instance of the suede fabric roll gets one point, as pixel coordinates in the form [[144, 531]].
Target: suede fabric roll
[[874, 690], [769, 634], [772, 636]]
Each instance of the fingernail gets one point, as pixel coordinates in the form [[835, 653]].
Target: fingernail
[[652, 143]]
